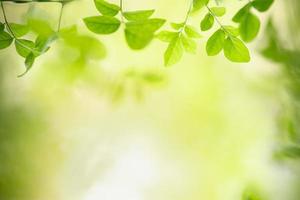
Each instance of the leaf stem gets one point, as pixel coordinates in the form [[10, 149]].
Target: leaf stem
[[60, 16], [6, 21], [12, 33], [121, 10], [218, 21], [187, 17]]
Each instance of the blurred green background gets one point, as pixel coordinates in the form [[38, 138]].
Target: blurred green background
[[95, 120]]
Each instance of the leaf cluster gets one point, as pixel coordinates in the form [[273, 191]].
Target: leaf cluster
[[139, 26]]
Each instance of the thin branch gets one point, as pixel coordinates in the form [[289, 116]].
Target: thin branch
[[12, 33], [218, 21], [122, 11], [60, 16]]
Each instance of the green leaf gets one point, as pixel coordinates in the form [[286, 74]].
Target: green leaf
[[241, 13], [292, 151], [262, 5], [218, 11], [28, 63], [249, 27], [42, 43], [89, 47], [166, 36], [106, 8], [235, 50], [177, 26], [215, 43], [198, 4], [5, 40], [24, 47], [232, 30], [138, 15], [191, 32], [189, 44], [207, 22], [40, 27], [145, 26], [2, 26], [137, 39], [102, 24], [139, 34], [19, 30], [174, 52]]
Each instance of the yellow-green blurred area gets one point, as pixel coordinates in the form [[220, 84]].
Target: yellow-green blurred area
[[94, 120]]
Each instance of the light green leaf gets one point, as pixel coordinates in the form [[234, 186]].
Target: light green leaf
[[174, 52], [106, 8], [218, 11], [40, 27], [235, 50], [166, 36], [139, 34], [215, 43], [137, 39], [198, 4], [177, 26], [191, 32], [19, 30], [28, 63], [232, 30], [249, 27], [145, 26], [24, 47], [189, 44], [89, 47], [241, 13], [5, 40], [138, 15], [207, 22], [42, 43], [102, 24], [262, 5]]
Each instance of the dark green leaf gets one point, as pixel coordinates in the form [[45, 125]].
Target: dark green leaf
[[106, 8], [215, 43], [5, 40], [262, 5], [102, 24], [138, 15], [249, 27], [24, 47], [292, 151], [2, 26], [19, 30], [235, 50], [241, 13], [207, 22]]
